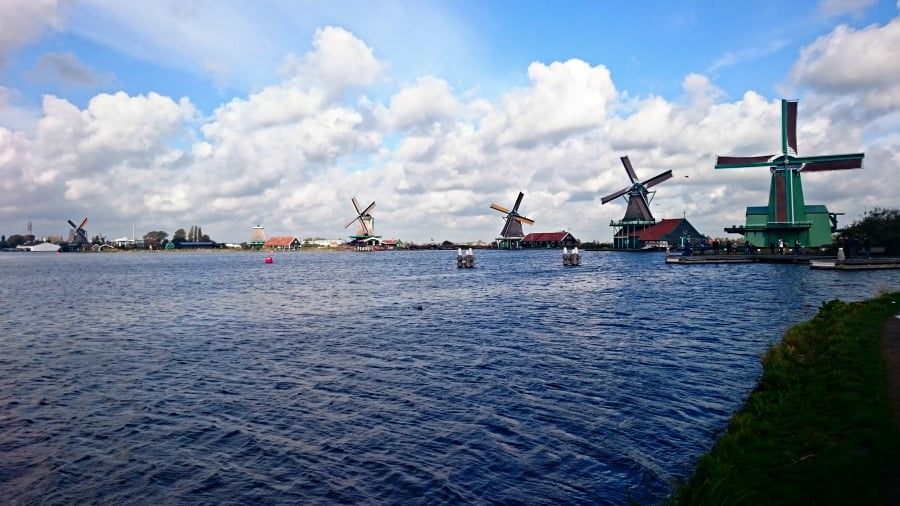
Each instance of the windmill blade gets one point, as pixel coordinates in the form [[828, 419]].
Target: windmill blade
[[518, 201], [653, 181], [615, 195], [83, 223], [641, 201], [833, 165], [365, 227], [780, 196], [371, 206], [729, 162], [500, 208], [522, 219], [351, 221], [629, 169], [355, 205], [789, 127], [74, 227]]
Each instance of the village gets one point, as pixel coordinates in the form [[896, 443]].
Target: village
[[787, 225]]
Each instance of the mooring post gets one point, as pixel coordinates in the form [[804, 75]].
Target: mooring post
[[576, 257], [459, 258], [840, 257], [470, 259]]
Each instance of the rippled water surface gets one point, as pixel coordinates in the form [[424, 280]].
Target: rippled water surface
[[379, 378]]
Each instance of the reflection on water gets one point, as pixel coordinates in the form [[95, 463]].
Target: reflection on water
[[379, 378]]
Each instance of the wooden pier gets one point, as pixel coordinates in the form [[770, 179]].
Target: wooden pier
[[856, 264], [814, 261]]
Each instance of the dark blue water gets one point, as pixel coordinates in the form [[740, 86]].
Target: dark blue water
[[379, 378]]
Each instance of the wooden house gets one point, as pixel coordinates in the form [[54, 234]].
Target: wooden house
[[668, 233], [549, 240], [282, 243]]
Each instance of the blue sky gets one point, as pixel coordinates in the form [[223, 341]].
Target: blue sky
[[280, 111]]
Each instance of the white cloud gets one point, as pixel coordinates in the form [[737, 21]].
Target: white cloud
[[430, 101], [65, 68], [862, 63], [840, 7], [291, 154], [563, 98], [24, 20]]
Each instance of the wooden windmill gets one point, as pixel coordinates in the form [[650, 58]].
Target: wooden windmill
[[78, 235], [637, 214], [365, 231], [787, 217], [511, 235]]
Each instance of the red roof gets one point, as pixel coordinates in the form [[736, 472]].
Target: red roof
[[545, 236], [656, 232], [279, 241]]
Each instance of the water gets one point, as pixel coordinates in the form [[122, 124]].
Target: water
[[379, 378]]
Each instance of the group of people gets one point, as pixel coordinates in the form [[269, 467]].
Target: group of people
[[853, 246], [714, 245], [782, 247]]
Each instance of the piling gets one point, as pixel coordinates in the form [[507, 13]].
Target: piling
[[572, 259], [466, 260]]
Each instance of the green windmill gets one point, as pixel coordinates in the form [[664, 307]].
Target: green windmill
[[787, 217]]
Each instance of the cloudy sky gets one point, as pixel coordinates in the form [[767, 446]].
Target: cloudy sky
[[227, 114]]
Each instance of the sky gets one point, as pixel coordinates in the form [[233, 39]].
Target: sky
[[229, 114]]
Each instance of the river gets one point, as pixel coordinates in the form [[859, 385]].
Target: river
[[380, 378]]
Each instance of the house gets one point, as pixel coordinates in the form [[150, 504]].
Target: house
[[44, 247], [667, 233], [549, 240], [282, 243]]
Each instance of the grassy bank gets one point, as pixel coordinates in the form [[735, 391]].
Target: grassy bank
[[818, 429]]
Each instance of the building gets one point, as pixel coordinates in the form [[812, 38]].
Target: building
[[44, 247], [192, 245], [667, 233], [282, 243], [257, 236], [560, 239], [814, 230]]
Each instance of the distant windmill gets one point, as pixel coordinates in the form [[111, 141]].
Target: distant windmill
[[787, 217], [78, 235], [637, 214], [365, 231], [511, 234]]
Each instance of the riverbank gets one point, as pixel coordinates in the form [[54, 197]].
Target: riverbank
[[819, 428]]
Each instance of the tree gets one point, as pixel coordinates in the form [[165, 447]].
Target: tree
[[880, 227], [179, 235], [15, 240], [195, 234], [155, 239]]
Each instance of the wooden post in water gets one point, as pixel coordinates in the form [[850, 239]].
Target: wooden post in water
[[572, 259], [467, 260]]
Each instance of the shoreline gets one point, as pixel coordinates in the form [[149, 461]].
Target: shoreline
[[822, 424]]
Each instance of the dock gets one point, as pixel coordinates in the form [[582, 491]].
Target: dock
[[814, 261], [708, 259], [746, 259], [856, 264]]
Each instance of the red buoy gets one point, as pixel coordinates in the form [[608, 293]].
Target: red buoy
[[269, 260]]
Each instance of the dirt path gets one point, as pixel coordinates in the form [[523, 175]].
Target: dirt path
[[891, 348]]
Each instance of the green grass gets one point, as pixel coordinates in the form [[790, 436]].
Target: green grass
[[818, 428]]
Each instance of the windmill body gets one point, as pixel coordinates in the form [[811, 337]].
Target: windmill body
[[637, 215], [511, 234], [787, 217], [365, 230], [77, 235]]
